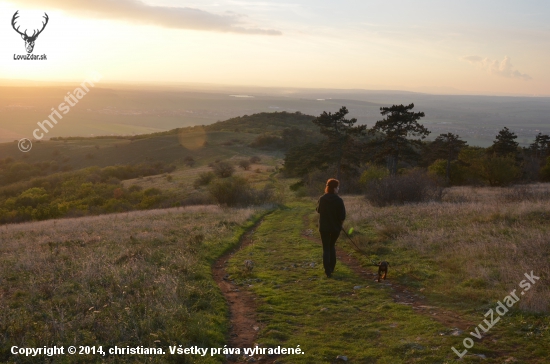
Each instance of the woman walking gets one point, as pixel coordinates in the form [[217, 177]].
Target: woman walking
[[332, 214]]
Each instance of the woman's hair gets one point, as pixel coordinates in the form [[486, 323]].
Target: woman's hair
[[331, 185]]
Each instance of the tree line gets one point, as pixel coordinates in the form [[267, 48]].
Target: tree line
[[397, 145]]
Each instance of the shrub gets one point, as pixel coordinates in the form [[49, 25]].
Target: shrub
[[244, 164], [204, 179], [267, 141], [118, 193], [189, 161], [135, 188], [458, 172], [500, 171], [236, 191], [197, 199], [545, 171], [254, 159], [414, 187], [373, 173], [223, 169], [230, 192]]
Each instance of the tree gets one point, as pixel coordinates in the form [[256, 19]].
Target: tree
[[489, 168], [339, 147], [449, 146], [399, 124], [223, 169], [303, 159], [540, 148], [504, 144]]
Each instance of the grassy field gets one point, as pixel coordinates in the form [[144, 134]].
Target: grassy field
[[135, 279], [457, 257], [474, 246], [182, 179], [144, 278]]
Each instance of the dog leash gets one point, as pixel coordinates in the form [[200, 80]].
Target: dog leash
[[355, 245]]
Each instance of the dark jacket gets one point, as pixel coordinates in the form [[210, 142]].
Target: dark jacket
[[332, 212]]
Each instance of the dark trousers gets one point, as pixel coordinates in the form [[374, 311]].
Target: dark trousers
[[329, 251]]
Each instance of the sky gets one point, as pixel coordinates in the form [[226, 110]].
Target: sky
[[476, 47]]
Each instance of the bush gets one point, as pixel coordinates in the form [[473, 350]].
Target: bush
[[223, 169], [204, 179], [500, 171], [267, 141], [373, 173], [414, 187], [458, 172], [197, 199], [545, 171], [229, 192], [236, 191], [244, 164], [135, 188], [254, 159], [189, 161]]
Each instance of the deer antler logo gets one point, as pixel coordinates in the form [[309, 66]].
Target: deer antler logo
[[29, 40]]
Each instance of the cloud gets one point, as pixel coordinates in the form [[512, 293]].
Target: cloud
[[164, 16], [502, 68]]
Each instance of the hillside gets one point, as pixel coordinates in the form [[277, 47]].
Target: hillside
[[223, 139], [145, 279], [79, 176]]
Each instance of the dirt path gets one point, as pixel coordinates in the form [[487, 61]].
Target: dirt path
[[242, 303], [400, 294]]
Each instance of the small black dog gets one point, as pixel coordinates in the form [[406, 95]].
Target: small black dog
[[382, 268]]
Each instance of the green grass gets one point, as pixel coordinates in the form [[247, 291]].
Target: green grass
[[462, 257], [328, 317], [144, 279], [137, 279]]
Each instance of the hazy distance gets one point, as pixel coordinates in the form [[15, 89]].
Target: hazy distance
[[110, 109]]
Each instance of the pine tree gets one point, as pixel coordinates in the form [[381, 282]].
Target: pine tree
[[504, 144], [540, 148], [399, 124], [449, 146], [340, 146]]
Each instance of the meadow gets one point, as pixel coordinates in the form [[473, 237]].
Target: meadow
[[144, 278], [474, 245], [135, 279]]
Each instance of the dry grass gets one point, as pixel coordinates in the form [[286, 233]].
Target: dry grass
[[139, 278], [183, 177], [482, 239]]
